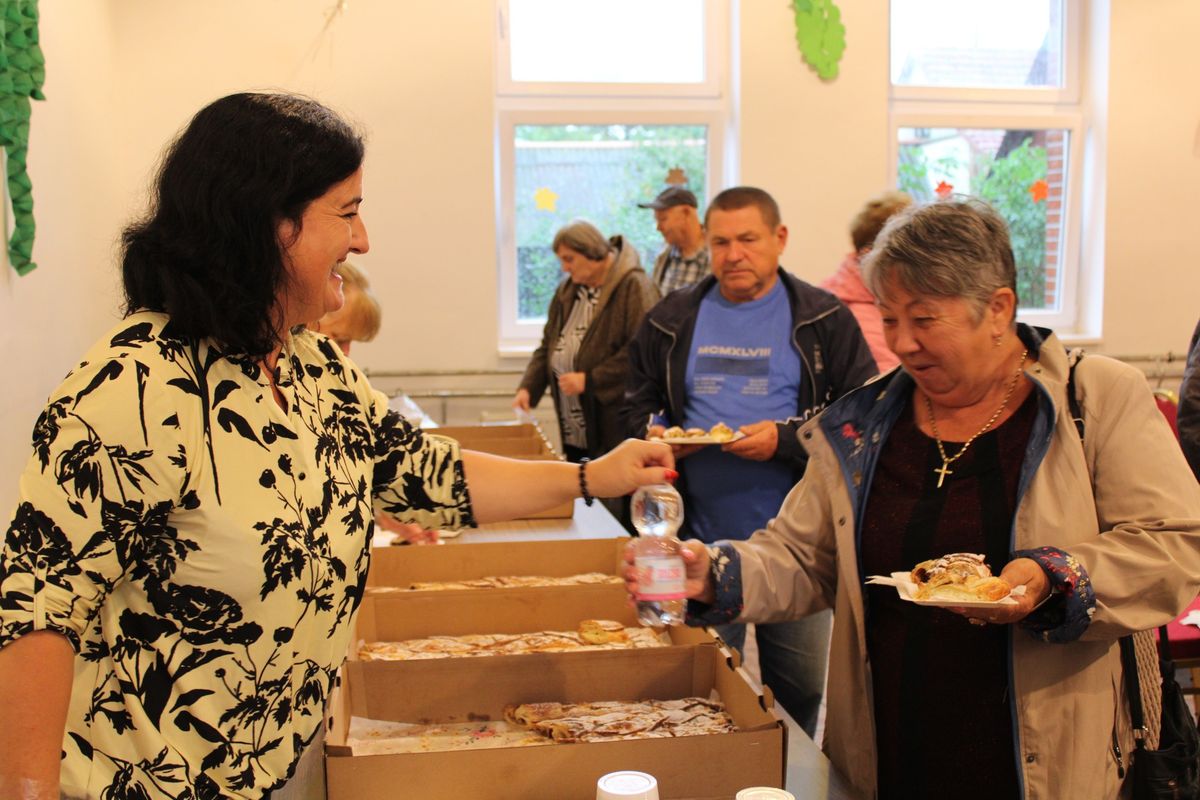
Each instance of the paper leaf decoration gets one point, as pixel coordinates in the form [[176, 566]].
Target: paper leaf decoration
[[944, 189], [22, 73], [545, 200], [676, 177], [1039, 191], [820, 35]]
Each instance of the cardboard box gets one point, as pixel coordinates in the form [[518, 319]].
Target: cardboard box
[[505, 430], [524, 440], [397, 616], [403, 566], [452, 690]]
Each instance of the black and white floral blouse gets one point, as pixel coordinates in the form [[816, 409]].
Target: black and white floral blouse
[[205, 551]]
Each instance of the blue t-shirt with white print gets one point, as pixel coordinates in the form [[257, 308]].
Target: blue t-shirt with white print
[[742, 368]]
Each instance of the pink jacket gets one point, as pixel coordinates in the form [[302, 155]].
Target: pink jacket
[[847, 284]]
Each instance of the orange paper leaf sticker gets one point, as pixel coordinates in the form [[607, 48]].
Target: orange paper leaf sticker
[[944, 189], [676, 177], [544, 199], [1039, 190]]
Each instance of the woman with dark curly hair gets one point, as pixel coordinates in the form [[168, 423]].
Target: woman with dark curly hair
[[179, 579]]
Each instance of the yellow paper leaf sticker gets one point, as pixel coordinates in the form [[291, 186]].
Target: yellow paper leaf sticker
[[545, 199]]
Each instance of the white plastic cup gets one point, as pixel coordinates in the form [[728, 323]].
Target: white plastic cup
[[764, 793], [627, 785]]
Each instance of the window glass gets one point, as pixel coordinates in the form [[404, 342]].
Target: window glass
[[617, 41], [1022, 173], [995, 44], [599, 173]]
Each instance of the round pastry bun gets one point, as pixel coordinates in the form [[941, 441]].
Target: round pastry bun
[[602, 631], [721, 432]]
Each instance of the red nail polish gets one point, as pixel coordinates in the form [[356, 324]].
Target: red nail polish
[[672, 475]]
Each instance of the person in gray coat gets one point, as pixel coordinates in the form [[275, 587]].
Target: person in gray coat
[[1188, 421], [582, 359]]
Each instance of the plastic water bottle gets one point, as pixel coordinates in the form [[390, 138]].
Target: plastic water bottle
[[657, 514]]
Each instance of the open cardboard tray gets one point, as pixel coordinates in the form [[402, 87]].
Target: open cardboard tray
[[523, 440], [403, 566], [455, 690], [396, 616]]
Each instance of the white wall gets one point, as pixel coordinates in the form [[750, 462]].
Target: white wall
[[1152, 276], [820, 147], [51, 316], [417, 77], [123, 76]]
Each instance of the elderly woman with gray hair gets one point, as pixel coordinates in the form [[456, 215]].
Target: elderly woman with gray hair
[[969, 447], [582, 359]]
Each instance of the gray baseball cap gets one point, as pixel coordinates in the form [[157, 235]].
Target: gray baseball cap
[[671, 197]]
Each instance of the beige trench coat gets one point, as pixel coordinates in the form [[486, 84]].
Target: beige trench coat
[[1145, 569]]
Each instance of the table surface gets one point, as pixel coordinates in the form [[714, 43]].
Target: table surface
[[589, 522]]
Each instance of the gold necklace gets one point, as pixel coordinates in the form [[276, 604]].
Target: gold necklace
[[945, 470]]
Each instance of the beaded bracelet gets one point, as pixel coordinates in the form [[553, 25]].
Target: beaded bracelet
[[583, 487]]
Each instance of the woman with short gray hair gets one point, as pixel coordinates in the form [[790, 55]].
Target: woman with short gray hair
[[947, 249], [970, 447], [584, 238]]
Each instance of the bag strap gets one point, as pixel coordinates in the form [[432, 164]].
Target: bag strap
[[1133, 691], [1073, 358]]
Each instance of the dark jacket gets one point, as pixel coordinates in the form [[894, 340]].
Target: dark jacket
[[826, 336], [624, 298], [1188, 421]]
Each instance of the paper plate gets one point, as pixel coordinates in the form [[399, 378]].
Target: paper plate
[[696, 439], [908, 591]]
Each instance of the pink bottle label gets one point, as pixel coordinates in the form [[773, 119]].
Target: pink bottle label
[[660, 577]]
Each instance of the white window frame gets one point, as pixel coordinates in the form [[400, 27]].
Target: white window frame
[[716, 46], [600, 104], [1063, 108]]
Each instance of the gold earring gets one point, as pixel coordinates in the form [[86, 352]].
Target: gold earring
[[996, 341]]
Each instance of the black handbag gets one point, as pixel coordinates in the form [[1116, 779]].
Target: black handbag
[[1172, 772]]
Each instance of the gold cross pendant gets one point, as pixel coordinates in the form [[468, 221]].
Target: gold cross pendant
[[942, 472]]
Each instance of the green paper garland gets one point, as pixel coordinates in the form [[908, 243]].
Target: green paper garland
[[820, 35], [22, 73]]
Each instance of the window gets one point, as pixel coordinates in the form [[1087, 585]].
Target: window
[[993, 44], [986, 101], [1020, 172], [585, 131], [632, 47], [600, 171], [545, 45]]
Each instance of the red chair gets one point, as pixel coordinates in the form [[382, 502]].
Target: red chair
[[1168, 404], [1185, 647], [1185, 639]]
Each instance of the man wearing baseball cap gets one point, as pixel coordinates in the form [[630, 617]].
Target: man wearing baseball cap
[[684, 260]]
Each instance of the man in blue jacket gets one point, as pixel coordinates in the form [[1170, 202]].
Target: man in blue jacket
[[761, 351]]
